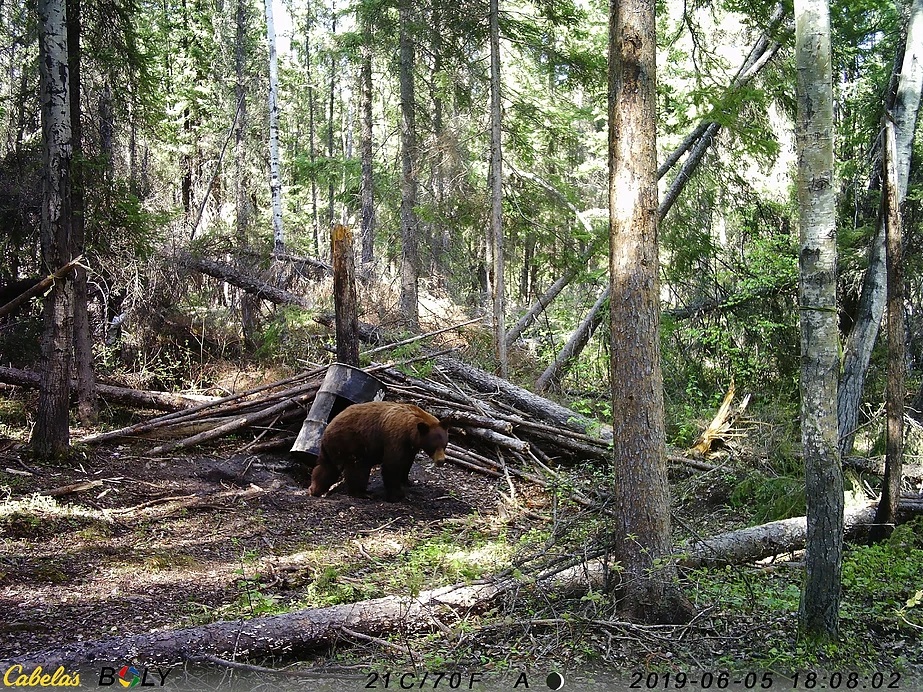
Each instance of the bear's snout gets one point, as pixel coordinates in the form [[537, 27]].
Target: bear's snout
[[439, 456]]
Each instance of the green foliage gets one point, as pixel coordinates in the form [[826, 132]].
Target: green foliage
[[880, 585], [882, 580], [769, 499]]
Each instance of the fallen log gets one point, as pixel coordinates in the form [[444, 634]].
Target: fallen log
[[160, 401], [232, 404], [524, 400], [876, 465], [768, 540], [266, 291], [278, 635], [229, 426], [232, 275]]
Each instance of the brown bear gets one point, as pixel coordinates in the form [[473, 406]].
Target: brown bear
[[379, 432]]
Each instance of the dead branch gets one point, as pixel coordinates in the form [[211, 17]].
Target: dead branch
[[72, 488], [165, 401], [39, 288]]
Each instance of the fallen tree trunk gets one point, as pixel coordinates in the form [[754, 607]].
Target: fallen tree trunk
[[271, 635], [524, 400], [266, 291], [250, 284], [288, 634], [876, 465], [775, 538], [280, 635], [160, 401]]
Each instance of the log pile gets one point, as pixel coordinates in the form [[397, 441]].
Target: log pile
[[498, 430]]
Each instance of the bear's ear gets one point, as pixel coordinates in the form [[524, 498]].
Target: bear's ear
[[447, 421], [423, 428]]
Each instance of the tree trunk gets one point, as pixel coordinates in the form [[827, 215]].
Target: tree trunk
[[441, 235], [275, 178], [891, 483], [315, 222], [524, 400], [767, 540], [160, 401], [367, 188], [410, 260], [640, 491], [344, 295], [249, 307], [705, 135], [83, 336], [498, 285], [257, 287], [858, 349], [331, 192], [51, 434], [820, 600]]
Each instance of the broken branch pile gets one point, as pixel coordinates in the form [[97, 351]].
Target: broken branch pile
[[278, 402], [499, 429]]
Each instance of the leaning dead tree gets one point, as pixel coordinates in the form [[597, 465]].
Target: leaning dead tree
[[697, 143]]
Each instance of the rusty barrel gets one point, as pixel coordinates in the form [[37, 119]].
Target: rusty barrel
[[343, 385]]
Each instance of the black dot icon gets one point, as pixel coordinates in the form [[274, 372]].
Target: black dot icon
[[555, 681]]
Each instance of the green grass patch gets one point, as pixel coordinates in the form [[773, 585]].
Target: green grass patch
[[881, 610]]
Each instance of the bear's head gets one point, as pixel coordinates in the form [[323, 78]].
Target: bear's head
[[433, 439]]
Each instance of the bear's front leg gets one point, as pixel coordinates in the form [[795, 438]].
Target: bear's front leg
[[322, 477], [394, 479]]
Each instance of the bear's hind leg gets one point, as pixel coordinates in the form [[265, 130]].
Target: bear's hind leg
[[357, 478]]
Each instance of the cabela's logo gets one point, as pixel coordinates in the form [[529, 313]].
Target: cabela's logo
[[16, 676]]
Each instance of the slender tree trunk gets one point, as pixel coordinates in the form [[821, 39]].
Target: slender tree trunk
[[367, 188], [249, 306], [315, 222], [344, 295], [498, 286], [861, 340], [819, 335], [575, 344], [106, 128], [51, 434], [186, 183], [331, 191], [441, 236], [83, 337], [410, 260], [640, 492], [891, 483], [275, 178]]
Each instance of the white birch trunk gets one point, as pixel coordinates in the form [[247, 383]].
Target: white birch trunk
[[275, 179], [819, 335]]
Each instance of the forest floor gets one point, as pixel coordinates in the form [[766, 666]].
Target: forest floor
[[216, 534]]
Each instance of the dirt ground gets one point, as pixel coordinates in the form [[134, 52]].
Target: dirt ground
[[163, 543]]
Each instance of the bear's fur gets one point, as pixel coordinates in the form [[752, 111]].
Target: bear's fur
[[379, 432]]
